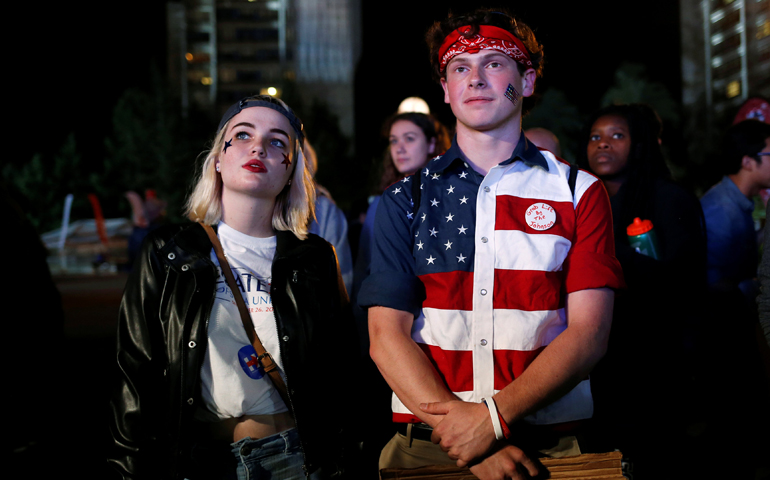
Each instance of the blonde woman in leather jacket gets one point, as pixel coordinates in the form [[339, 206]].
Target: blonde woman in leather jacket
[[189, 400]]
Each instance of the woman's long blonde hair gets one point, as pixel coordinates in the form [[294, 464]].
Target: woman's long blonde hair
[[294, 206]]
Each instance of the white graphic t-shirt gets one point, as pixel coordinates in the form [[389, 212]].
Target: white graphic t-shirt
[[232, 382]]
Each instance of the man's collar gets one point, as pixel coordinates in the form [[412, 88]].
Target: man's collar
[[742, 200], [525, 151]]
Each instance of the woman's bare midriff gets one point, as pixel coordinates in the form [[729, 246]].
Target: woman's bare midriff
[[254, 426]]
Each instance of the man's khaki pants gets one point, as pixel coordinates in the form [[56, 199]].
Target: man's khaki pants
[[402, 451]]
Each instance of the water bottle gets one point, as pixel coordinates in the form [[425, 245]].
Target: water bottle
[[642, 238]]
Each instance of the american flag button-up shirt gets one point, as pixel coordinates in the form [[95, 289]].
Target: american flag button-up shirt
[[486, 289]]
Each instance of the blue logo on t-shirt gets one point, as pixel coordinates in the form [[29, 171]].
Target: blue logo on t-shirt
[[250, 364]]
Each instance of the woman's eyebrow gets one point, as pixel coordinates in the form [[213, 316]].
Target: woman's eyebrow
[[251, 125], [278, 130]]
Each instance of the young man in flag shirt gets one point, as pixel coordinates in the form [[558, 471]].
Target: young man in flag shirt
[[490, 296]]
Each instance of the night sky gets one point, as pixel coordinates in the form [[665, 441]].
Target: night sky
[[79, 64]]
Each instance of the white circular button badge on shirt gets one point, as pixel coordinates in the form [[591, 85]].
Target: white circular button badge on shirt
[[540, 216]]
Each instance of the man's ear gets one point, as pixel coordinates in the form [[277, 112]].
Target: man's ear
[[748, 163], [432, 146], [528, 80], [446, 93]]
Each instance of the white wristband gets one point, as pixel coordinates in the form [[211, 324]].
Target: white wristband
[[490, 403]]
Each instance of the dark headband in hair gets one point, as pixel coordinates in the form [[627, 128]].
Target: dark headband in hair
[[244, 103]]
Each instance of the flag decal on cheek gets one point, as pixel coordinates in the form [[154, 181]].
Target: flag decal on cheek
[[286, 161], [511, 94], [228, 144]]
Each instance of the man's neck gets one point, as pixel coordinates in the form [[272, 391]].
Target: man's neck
[[744, 184], [486, 149]]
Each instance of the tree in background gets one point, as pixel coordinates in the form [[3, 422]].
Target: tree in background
[[633, 86], [41, 184], [150, 147]]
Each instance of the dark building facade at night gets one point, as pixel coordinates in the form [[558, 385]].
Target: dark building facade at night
[[725, 60], [222, 50]]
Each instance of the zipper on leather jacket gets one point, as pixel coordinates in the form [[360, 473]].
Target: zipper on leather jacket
[[295, 280]]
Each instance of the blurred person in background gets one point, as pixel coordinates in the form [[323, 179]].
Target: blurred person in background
[[147, 215], [414, 138], [640, 393], [544, 138], [31, 339], [192, 399], [733, 254], [330, 222], [763, 305], [733, 258]]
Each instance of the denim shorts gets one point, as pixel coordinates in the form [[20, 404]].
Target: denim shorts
[[275, 457]]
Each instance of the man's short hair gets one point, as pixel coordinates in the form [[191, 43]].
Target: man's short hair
[[483, 16], [745, 138]]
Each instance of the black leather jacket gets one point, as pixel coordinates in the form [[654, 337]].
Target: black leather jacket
[[162, 339]]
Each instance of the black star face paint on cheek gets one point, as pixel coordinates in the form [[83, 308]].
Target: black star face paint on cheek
[[228, 144], [286, 161], [512, 95]]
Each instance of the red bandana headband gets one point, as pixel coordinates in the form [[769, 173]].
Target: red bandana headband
[[488, 37]]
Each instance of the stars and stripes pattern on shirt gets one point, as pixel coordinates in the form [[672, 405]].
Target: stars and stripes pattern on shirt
[[495, 287]]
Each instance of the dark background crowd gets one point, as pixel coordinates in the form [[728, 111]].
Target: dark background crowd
[[98, 117], [106, 78]]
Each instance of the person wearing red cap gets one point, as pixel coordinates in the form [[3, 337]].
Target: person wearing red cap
[[493, 273]]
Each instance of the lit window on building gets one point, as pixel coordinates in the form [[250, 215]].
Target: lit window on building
[[733, 89], [206, 81], [763, 30]]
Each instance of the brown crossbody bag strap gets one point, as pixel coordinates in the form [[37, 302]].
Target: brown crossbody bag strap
[[265, 359]]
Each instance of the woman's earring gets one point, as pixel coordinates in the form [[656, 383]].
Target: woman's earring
[[289, 184], [217, 167]]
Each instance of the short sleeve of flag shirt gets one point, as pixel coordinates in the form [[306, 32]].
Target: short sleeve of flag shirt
[[484, 263]]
